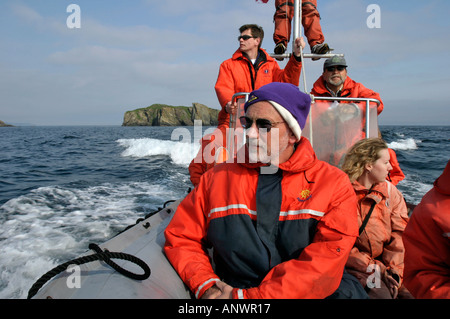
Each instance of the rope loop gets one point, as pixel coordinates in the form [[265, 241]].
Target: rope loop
[[104, 256]]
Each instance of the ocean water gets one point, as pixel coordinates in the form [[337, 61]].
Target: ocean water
[[62, 188]]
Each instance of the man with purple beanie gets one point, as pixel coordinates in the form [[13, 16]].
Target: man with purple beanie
[[285, 235]]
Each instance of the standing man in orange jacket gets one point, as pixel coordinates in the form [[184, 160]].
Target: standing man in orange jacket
[[286, 233], [248, 69], [251, 67], [427, 243]]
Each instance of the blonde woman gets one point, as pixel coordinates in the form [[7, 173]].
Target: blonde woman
[[377, 256]]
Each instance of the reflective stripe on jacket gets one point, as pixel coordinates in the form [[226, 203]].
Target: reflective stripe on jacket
[[315, 231]]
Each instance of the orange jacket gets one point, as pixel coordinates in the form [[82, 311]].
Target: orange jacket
[[316, 230], [206, 156], [238, 74], [427, 243], [396, 175], [381, 241], [350, 89]]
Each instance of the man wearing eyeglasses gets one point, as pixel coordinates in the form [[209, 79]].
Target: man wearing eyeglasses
[[248, 69], [287, 234], [251, 67], [334, 81]]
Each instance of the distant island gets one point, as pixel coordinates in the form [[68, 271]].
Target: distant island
[[3, 124], [167, 115]]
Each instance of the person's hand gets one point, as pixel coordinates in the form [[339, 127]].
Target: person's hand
[[211, 293], [219, 291], [297, 43], [231, 108], [227, 290], [392, 284]]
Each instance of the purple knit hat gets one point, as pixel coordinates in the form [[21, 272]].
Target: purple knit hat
[[292, 104]]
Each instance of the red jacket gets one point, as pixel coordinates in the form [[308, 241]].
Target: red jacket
[[238, 74], [317, 227], [381, 241], [350, 89], [396, 175], [427, 243]]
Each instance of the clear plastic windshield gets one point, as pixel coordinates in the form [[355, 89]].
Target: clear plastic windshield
[[334, 126]]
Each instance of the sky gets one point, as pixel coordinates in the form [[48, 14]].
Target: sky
[[131, 54]]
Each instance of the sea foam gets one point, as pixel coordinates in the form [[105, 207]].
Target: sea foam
[[54, 224], [404, 144], [181, 153]]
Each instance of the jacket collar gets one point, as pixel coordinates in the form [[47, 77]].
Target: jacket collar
[[322, 90], [262, 55], [377, 193]]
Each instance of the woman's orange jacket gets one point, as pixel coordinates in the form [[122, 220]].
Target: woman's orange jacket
[[238, 74], [316, 230], [427, 243], [381, 241]]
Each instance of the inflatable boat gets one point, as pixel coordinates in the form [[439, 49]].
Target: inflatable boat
[[130, 265]]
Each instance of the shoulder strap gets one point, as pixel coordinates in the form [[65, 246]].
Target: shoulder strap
[[363, 225], [389, 186]]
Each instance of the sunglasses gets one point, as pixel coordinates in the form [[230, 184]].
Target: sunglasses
[[260, 123], [245, 37], [332, 68]]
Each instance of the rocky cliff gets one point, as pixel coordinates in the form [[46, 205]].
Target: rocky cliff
[[167, 115], [3, 124]]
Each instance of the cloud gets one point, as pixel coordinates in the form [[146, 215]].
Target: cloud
[[173, 8], [31, 17], [102, 69], [172, 55], [27, 14]]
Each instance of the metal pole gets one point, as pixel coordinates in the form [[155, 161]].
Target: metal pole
[[367, 118], [297, 19], [297, 34]]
